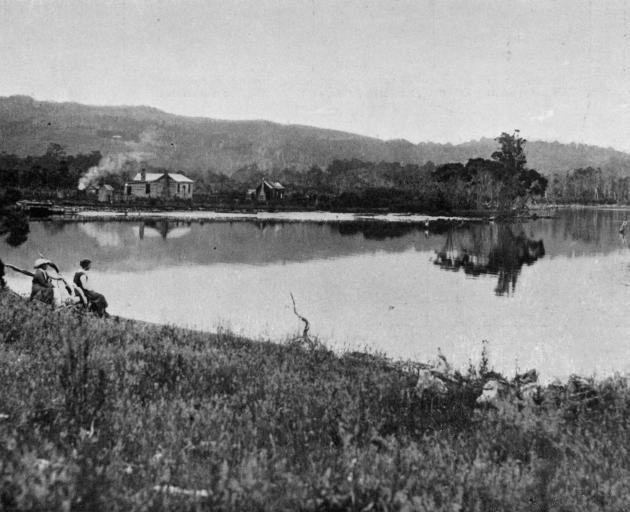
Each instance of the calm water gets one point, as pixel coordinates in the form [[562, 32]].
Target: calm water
[[551, 293]]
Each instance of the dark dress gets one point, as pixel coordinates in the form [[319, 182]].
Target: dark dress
[[96, 300], [42, 288]]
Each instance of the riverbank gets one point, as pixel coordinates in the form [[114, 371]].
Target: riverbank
[[284, 216], [119, 415], [281, 213], [296, 216]]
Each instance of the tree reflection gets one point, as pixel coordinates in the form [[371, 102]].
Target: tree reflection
[[54, 226], [14, 225], [163, 229], [494, 250], [376, 230]]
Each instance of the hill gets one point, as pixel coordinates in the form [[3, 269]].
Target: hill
[[27, 126]]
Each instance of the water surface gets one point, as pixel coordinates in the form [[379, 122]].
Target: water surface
[[549, 293]]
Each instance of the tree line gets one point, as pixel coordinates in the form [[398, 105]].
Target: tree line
[[589, 186], [503, 181], [53, 170]]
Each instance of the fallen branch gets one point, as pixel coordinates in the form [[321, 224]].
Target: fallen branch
[[20, 270], [307, 325]]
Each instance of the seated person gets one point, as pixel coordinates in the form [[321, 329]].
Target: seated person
[[96, 300], [42, 287]]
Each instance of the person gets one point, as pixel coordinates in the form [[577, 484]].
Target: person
[[96, 300], [42, 287]]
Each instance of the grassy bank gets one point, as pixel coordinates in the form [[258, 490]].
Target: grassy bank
[[115, 415]]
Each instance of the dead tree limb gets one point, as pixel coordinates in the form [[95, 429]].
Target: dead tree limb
[[20, 270], [307, 324]]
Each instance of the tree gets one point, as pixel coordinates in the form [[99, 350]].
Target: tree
[[512, 152], [315, 177]]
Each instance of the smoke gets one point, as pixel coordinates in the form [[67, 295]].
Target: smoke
[[112, 164]]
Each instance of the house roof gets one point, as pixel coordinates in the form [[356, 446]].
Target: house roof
[[275, 185], [108, 187], [154, 176], [180, 178]]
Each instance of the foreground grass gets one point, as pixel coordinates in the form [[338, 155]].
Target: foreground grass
[[106, 415]]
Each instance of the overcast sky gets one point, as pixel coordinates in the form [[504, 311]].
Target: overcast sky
[[445, 71]]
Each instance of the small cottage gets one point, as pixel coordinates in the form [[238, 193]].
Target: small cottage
[[165, 185], [105, 194], [269, 191]]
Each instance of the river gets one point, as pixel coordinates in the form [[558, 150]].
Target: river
[[551, 294]]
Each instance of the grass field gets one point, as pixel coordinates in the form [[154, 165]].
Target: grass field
[[116, 415]]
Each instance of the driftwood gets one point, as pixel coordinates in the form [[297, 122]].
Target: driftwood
[[305, 338], [307, 324], [498, 392]]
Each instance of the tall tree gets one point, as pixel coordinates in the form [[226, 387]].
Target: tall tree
[[512, 152]]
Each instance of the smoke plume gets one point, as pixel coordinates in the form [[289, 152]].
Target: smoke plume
[[112, 164]]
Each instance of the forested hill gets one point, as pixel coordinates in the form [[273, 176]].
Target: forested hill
[[27, 126]]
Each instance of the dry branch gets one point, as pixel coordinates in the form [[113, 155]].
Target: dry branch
[[20, 270], [307, 325]]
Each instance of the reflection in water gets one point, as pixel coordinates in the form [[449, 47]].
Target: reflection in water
[[54, 226], [15, 225], [384, 231], [162, 229], [369, 284], [105, 236], [495, 250], [111, 234]]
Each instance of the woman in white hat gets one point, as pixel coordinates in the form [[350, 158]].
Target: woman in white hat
[[42, 287]]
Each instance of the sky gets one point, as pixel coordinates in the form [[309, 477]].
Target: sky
[[422, 70]]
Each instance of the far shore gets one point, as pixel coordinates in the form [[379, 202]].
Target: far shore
[[139, 212], [285, 216]]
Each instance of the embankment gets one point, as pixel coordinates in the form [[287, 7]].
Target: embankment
[[116, 415]]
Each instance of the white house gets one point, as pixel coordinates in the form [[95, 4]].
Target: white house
[[166, 185]]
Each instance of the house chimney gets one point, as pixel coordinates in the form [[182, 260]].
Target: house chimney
[[143, 175]]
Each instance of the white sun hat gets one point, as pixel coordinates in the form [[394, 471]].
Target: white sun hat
[[41, 261]]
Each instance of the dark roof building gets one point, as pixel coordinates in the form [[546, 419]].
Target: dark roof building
[[269, 191]]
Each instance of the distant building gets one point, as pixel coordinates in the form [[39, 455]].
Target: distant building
[[105, 194], [166, 185], [269, 191]]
